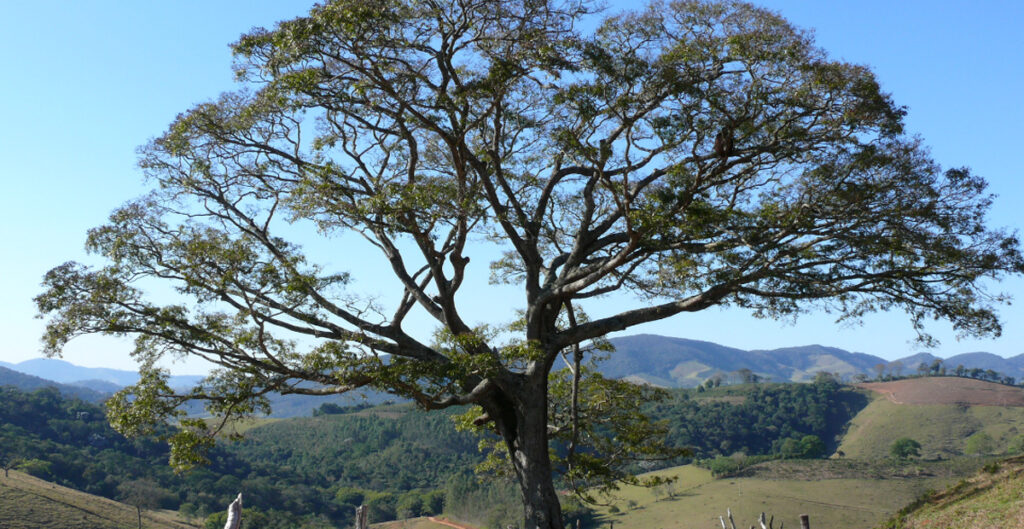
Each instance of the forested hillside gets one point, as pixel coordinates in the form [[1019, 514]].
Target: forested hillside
[[759, 418]]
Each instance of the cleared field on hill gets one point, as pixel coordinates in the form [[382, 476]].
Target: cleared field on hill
[[948, 390], [30, 503], [240, 426], [905, 410], [699, 500]]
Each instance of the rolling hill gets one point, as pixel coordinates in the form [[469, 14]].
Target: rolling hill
[[67, 373], [31, 503], [10, 377], [941, 413], [989, 499], [819, 488], [679, 362], [96, 384], [648, 358]]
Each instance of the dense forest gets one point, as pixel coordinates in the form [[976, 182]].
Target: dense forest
[[759, 419], [311, 472]]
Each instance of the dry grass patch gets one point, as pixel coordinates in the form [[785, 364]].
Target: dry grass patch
[[30, 503]]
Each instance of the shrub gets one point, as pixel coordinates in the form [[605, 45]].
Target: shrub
[[905, 448], [979, 444]]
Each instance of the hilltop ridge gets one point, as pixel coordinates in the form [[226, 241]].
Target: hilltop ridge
[[680, 362]]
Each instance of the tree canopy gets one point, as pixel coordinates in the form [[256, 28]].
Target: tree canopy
[[904, 448], [694, 153]]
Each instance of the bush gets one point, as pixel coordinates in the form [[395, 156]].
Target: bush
[[725, 466], [38, 468], [980, 443], [807, 447], [410, 505], [1016, 445], [905, 448]]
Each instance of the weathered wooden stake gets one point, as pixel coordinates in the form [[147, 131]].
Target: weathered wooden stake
[[234, 514], [361, 518], [728, 512], [805, 521]]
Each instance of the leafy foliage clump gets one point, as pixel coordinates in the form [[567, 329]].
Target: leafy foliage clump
[[905, 448]]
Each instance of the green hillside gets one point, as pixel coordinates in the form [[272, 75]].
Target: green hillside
[[31, 503], [991, 499], [818, 488], [942, 429]]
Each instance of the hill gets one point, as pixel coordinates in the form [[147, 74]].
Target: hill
[[682, 363], [820, 488], [68, 373], [1013, 366], [987, 500], [941, 413], [948, 390], [31, 503], [10, 377], [678, 362], [96, 384]]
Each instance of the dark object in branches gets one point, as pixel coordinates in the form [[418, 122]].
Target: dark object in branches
[[723, 144]]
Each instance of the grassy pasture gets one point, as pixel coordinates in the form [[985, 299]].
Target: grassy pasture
[[942, 429], [240, 426], [990, 499], [698, 500], [30, 503]]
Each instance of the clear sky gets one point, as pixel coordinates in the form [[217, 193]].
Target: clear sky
[[82, 84]]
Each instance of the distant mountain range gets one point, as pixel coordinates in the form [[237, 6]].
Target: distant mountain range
[[648, 358], [95, 384], [101, 378], [10, 377], [679, 362]]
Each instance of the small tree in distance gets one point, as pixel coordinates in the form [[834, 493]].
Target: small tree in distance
[[905, 448], [141, 494], [696, 154]]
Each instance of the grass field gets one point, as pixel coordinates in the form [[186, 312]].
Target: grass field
[[30, 503], [698, 500], [942, 429], [411, 523], [988, 500], [240, 426]]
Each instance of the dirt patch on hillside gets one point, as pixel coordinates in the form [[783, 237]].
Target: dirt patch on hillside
[[947, 390]]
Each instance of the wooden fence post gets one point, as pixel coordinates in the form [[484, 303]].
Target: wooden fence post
[[805, 521], [234, 514], [361, 518]]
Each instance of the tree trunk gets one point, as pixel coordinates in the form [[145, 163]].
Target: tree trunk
[[138, 509], [522, 420]]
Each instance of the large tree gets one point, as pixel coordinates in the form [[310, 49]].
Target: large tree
[[697, 154]]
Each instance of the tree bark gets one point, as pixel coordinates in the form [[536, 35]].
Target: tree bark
[[522, 420]]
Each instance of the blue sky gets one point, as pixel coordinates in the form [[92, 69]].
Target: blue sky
[[85, 83]]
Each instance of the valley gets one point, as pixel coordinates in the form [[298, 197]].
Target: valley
[[310, 472]]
